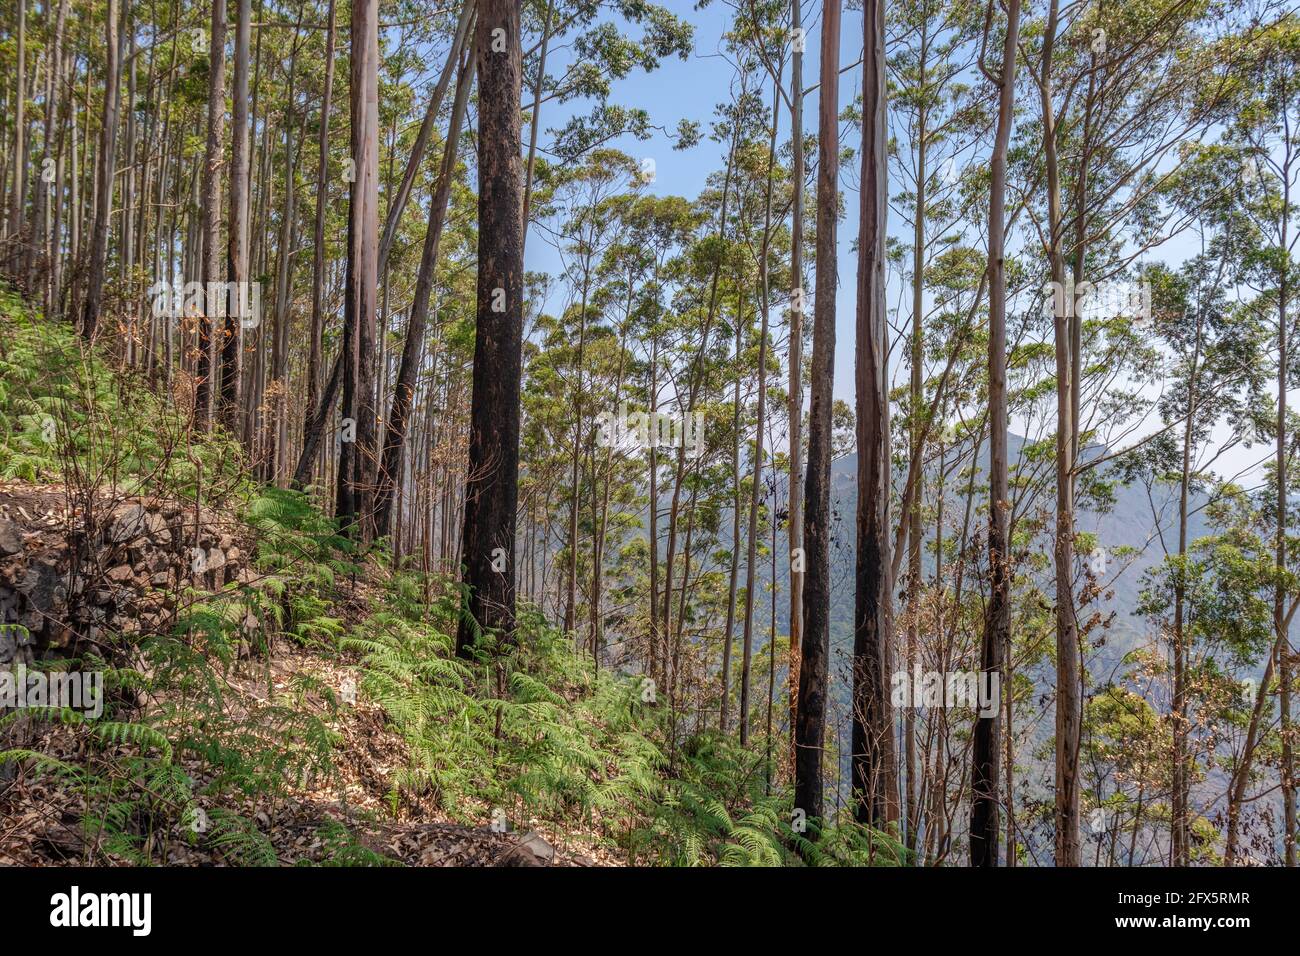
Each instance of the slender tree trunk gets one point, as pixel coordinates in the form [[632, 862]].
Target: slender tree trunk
[[575, 487], [18, 197], [315, 427], [46, 244], [795, 411], [732, 585], [98, 265], [654, 522], [534, 120], [403, 195], [810, 727], [1180, 827], [1280, 625], [996, 642], [693, 388], [125, 245], [205, 386], [601, 522], [319, 406], [751, 562], [916, 441], [404, 392], [232, 343], [361, 296], [318, 248], [874, 765], [76, 206], [276, 431], [1068, 689], [771, 651], [67, 128]]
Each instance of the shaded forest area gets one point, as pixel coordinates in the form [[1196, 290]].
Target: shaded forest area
[[602, 545]]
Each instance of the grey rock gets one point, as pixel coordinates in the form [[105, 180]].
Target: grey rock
[[531, 850], [39, 584], [128, 525], [11, 537]]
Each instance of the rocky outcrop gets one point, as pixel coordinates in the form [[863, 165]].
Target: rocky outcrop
[[69, 580]]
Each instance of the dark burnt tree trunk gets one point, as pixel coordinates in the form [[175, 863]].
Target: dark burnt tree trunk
[[810, 727], [873, 760], [492, 479]]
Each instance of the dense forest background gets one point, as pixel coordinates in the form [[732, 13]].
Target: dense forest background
[[752, 431]]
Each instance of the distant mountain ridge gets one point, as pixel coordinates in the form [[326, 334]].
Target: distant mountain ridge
[[1127, 533]]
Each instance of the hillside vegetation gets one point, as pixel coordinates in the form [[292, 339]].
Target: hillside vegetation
[[244, 745]]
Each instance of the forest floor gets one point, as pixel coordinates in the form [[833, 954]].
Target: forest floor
[[42, 816]]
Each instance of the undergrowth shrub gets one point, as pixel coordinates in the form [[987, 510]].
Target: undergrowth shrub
[[537, 735], [65, 414], [175, 736]]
